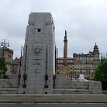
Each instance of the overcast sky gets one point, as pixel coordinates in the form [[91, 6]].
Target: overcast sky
[[84, 20]]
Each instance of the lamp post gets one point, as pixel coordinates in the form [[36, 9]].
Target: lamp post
[[4, 44]]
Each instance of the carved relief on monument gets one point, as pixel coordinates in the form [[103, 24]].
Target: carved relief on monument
[[37, 49]]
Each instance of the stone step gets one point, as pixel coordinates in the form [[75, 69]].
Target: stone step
[[8, 90], [71, 91], [71, 87]]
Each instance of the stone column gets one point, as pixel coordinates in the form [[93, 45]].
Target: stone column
[[65, 49]]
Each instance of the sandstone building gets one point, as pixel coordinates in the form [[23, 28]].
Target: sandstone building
[[7, 55]]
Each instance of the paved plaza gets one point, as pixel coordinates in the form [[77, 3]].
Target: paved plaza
[[56, 98]]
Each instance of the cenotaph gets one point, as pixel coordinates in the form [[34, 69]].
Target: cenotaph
[[38, 63]]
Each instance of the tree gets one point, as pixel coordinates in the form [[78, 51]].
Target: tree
[[3, 68], [101, 74]]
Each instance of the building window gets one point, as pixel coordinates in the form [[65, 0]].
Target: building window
[[39, 30], [9, 56]]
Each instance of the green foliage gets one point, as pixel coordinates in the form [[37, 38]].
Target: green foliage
[[3, 68], [101, 72]]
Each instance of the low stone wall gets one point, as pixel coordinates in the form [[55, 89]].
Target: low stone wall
[[9, 86], [95, 87], [8, 83], [65, 86]]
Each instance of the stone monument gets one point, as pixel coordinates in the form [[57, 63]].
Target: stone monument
[[38, 63]]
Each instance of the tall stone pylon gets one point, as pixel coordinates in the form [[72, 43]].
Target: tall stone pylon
[[38, 63]]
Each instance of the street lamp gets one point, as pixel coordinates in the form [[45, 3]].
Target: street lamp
[[4, 44]]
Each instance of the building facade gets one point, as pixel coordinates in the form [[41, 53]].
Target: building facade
[[16, 64]]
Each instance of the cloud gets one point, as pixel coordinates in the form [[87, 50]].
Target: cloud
[[84, 20]]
